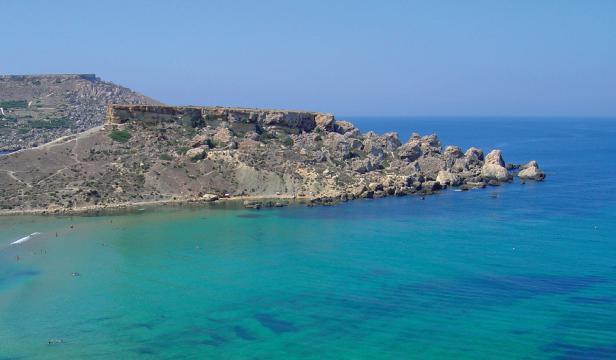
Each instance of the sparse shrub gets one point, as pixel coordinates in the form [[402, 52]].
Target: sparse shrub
[[265, 136], [182, 150], [287, 141], [165, 157], [120, 135], [13, 104]]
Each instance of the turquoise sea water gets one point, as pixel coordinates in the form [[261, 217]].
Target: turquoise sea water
[[528, 274]]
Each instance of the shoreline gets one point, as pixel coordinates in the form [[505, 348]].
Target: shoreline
[[252, 199], [134, 206]]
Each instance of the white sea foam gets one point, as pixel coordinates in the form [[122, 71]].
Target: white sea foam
[[24, 239]]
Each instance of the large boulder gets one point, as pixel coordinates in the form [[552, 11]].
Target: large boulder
[[373, 145], [325, 121], [209, 197], [356, 144], [474, 154], [197, 153], [495, 157], [343, 127], [453, 156], [531, 171], [494, 167], [198, 140], [472, 159], [410, 151], [453, 152], [430, 144], [430, 166], [362, 166], [445, 178], [289, 121], [338, 145], [391, 141], [223, 137]]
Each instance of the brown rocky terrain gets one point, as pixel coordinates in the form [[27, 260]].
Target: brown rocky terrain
[[35, 109], [162, 154]]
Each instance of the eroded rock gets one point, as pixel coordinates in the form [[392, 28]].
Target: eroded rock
[[531, 171]]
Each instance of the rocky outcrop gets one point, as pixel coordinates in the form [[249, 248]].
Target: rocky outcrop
[[494, 167], [343, 127], [198, 153], [446, 178], [161, 153], [325, 121], [531, 171]]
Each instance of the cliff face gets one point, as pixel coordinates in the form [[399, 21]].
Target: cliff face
[[35, 109], [238, 119], [161, 153]]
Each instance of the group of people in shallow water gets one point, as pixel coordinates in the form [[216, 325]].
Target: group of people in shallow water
[[75, 274]]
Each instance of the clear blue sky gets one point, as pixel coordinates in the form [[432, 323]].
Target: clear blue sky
[[348, 57]]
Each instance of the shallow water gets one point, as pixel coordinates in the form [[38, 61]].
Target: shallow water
[[530, 273]]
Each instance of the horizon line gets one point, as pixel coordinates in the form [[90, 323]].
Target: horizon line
[[602, 117]]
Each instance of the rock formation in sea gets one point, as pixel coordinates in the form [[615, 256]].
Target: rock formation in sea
[[151, 153], [531, 171]]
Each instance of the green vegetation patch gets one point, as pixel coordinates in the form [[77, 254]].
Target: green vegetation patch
[[182, 150], [120, 135], [211, 143], [8, 119], [166, 157], [55, 123], [286, 140], [14, 104]]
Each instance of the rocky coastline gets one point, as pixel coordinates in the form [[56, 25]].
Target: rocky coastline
[[153, 154]]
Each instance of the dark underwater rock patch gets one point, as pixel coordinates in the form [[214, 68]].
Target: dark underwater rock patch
[[243, 333], [274, 324], [579, 352], [492, 290], [9, 278]]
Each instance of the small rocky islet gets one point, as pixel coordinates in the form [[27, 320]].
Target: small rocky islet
[[156, 154]]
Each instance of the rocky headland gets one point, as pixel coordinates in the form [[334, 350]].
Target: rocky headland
[[35, 109], [160, 154]]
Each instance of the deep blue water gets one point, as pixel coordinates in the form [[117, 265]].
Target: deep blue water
[[528, 274]]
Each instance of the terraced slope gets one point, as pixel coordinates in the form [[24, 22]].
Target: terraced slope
[[35, 109]]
